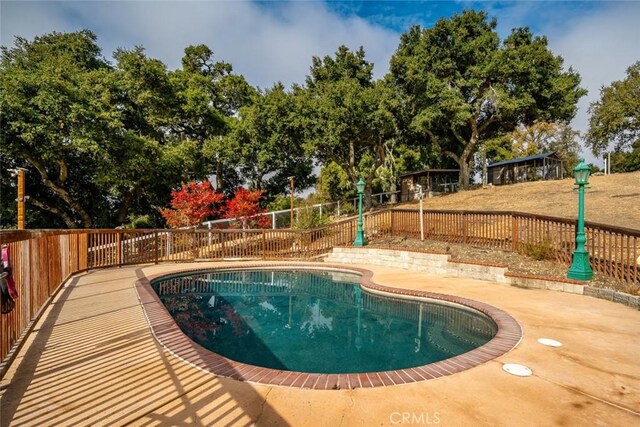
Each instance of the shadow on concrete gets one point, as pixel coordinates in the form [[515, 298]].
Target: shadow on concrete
[[95, 362]]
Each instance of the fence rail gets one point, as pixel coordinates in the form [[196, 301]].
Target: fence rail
[[613, 251], [43, 260]]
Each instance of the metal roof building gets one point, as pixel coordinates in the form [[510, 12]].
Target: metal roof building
[[538, 167], [431, 181]]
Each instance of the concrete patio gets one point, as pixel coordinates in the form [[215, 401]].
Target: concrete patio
[[92, 360]]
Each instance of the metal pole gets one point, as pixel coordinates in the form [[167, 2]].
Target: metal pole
[[273, 220], [21, 199], [580, 268], [360, 240], [421, 220], [609, 163]]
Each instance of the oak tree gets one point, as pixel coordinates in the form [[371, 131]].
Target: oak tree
[[464, 86]]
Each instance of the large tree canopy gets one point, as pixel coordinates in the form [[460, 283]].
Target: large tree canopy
[[463, 86], [615, 117], [348, 120], [266, 143], [103, 142], [53, 121]]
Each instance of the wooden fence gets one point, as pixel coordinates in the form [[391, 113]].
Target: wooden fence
[[43, 260], [613, 251]]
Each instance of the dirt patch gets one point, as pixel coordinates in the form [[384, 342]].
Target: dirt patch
[[515, 262]]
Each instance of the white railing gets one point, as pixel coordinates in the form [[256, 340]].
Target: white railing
[[331, 208]]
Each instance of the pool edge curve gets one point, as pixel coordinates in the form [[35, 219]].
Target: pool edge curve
[[170, 337]]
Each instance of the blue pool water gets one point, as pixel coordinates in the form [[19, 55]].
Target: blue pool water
[[316, 321]]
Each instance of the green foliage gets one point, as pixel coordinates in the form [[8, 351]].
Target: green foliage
[[309, 217], [282, 202], [626, 161], [615, 117], [540, 251], [347, 119], [51, 116], [103, 142], [347, 208], [267, 143], [334, 184], [463, 86], [141, 221]]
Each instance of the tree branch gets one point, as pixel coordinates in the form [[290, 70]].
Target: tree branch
[[453, 155], [486, 124], [459, 137], [379, 148], [54, 210], [64, 171], [61, 192]]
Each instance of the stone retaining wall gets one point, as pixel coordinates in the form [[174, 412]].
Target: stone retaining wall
[[440, 263]]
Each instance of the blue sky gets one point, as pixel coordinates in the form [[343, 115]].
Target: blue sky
[[274, 41]]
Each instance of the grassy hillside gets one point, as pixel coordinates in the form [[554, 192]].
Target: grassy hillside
[[612, 199]]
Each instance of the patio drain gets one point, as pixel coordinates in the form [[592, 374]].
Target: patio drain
[[549, 342], [516, 369]]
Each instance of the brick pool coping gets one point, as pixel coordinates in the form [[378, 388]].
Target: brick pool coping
[[169, 335]]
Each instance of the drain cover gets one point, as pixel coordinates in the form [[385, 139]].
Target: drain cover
[[549, 342], [516, 369]]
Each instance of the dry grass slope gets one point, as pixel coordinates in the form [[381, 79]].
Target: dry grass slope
[[612, 199]]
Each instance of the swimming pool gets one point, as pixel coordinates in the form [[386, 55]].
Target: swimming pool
[[325, 322]]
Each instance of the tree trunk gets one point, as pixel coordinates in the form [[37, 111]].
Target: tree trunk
[[367, 197], [394, 197], [483, 160], [124, 207], [465, 174], [62, 193], [219, 182]]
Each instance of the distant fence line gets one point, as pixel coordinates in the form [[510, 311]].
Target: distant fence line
[[282, 218], [44, 259]]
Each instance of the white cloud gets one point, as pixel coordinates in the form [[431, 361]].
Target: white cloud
[[600, 47], [265, 44], [275, 42]]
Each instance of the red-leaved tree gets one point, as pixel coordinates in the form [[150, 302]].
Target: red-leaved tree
[[245, 208], [193, 203]]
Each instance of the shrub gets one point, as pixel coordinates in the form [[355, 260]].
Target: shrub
[[142, 221], [347, 208], [540, 251], [310, 218]]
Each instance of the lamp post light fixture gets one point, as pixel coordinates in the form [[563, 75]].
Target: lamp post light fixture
[[360, 240], [580, 268]]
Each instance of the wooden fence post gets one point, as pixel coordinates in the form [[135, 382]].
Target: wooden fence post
[[464, 228], [264, 245], [222, 243], [514, 233], [157, 248], [194, 247], [391, 212], [119, 248]]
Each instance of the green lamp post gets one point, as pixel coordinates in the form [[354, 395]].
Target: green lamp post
[[360, 240], [580, 268]]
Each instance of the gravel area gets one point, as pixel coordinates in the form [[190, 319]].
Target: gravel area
[[516, 263]]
